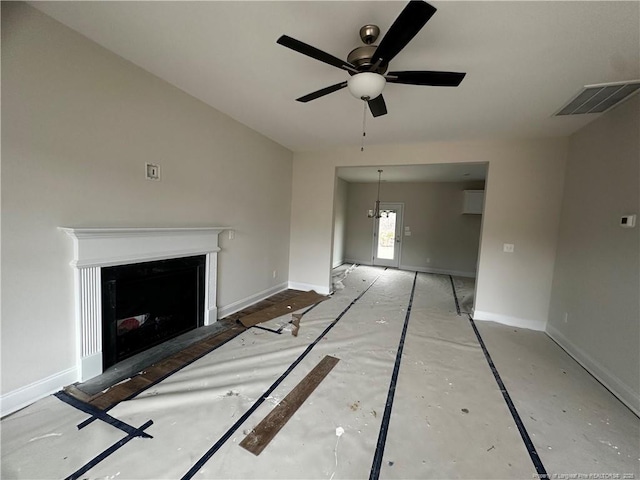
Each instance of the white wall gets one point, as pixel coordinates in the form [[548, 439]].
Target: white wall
[[78, 124], [442, 240], [339, 223], [522, 206], [597, 274]]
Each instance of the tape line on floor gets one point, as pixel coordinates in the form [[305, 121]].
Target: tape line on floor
[[106, 453], [98, 414], [535, 458], [386, 417], [207, 456]]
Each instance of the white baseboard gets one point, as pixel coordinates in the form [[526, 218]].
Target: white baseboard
[[356, 262], [538, 325], [24, 396], [627, 396], [250, 300], [441, 271], [308, 286]]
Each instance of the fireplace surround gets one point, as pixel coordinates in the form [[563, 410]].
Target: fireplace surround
[[95, 249], [146, 304]]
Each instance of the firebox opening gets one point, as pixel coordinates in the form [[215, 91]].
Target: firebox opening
[[145, 304]]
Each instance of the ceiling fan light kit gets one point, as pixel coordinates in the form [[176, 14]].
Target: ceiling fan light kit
[[366, 85]]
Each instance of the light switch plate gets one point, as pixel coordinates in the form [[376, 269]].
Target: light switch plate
[[152, 171], [628, 221]]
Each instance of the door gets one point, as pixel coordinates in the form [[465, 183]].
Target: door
[[387, 238]]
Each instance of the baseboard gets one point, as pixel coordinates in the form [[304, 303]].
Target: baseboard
[[308, 286], [250, 300], [338, 264], [441, 271], [538, 325], [24, 396], [616, 386], [356, 262]]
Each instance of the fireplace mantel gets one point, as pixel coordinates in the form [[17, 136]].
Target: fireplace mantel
[[94, 248], [120, 246]]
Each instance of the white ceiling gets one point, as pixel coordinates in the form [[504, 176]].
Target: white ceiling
[[523, 60]]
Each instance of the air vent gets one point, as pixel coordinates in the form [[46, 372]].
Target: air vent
[[599, 98]]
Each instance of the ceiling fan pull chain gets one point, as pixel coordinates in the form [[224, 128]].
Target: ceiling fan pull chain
[[364, 124]]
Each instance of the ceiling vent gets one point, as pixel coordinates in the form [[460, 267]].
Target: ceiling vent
[[599, 98]]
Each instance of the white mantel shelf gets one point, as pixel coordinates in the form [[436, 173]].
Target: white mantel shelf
[[95, 248], [135, 231], [120, 246]]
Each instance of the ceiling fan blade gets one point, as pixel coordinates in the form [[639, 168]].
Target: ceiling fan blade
[[313, 52], [406, 26], [377, 106], [436, 79], [322, 92]]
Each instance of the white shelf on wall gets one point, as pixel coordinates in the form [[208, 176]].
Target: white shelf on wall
[[473, 202]]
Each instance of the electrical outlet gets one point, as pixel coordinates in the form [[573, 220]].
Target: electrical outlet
[[508, 248], [275, 273], [566, 317], [428, 260], [232, 234]]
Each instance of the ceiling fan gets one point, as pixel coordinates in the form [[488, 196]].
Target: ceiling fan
[[368, 64]]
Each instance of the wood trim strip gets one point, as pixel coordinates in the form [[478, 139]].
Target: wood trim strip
[[267, 429]]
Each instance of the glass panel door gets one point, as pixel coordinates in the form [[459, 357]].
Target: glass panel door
[[386, 237]]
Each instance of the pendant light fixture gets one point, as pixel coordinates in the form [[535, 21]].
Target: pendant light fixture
[[375, 213]]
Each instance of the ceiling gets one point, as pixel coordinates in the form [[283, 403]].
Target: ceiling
[[524, 60], [441, 172]]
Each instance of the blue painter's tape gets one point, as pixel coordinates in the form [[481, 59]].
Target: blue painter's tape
[[279, 331], [158, 380], [205, 458], [455, 297], [386, 417], [106, 453], [535, 458], [101, 415]]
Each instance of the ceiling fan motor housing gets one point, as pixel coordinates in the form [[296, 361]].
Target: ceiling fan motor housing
[[361, 57]]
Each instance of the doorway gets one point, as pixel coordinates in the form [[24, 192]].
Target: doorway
[[387, 235]]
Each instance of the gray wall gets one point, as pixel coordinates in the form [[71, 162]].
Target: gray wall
[[522, 206], [596, 282], [78, 124], [339, 222], [442, 240]]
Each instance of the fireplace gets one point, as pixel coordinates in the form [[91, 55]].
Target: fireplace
[[109, 261], [148, 303]]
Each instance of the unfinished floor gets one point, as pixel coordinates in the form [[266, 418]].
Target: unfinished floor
[[413, 395]]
